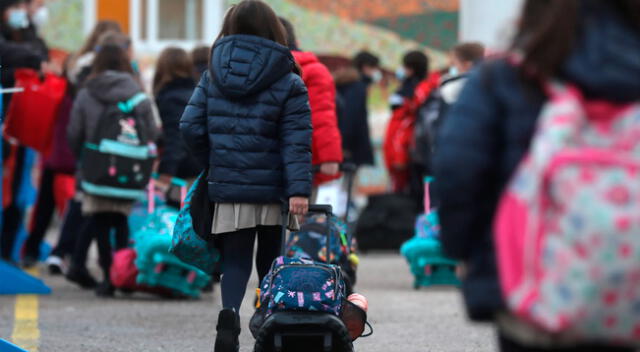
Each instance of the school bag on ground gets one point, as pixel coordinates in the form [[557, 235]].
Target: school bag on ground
[[567, 226], [424, 252], [311, 240], [386, 222], [148, 266], [302, 304], [118, 158]]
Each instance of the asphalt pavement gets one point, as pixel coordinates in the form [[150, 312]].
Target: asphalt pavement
[[404, 320]]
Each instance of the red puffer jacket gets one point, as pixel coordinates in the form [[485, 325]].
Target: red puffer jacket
[[327, 142]]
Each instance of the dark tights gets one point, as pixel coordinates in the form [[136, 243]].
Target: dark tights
[[509, 345], [99, 225], [237, 256]]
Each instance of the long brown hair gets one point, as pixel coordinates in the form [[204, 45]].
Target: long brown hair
[[549, 30], [253, 17], [110, 57], [99, 29], [173, 63]]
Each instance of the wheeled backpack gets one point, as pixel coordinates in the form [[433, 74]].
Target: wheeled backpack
[[118, 158], [300, 304], [148, 266]]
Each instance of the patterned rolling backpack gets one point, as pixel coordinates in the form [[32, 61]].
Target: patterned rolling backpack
[[568, 225], [311, 242], [300, 304]]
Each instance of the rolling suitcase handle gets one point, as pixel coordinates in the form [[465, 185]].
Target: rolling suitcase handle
[[327, 210]]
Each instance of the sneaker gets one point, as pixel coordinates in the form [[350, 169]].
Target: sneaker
[[55, 265], [82, 277]]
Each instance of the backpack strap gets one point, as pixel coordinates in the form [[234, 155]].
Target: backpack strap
[[128, 106]]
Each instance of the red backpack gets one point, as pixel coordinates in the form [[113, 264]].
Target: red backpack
[[399, 137]]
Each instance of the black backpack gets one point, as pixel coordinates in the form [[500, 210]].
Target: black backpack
[[118, 158], [428, 119]]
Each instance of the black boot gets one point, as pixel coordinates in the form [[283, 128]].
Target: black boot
[[228, 331], [106, 288], [82, 277]]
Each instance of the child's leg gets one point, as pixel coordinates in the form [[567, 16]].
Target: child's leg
[[121, 225], [103, 223], [90, 229], [269, 238], [237, 255]]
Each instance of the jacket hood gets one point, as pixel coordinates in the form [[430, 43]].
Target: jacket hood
[[606, 59], [113, 86], [243, 65], [346, 76]]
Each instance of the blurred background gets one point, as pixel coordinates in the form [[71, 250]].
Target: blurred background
[[333, 29]]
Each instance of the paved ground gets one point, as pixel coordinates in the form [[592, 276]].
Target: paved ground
[[404, 320]]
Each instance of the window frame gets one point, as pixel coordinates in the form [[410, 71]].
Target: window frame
[[212, 14]]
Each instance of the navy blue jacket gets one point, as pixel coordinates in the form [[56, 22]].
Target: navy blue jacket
[[353, 118], [488, 131], [249, 120], [176, 160]]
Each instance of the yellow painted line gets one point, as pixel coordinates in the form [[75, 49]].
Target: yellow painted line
[[26, 333]]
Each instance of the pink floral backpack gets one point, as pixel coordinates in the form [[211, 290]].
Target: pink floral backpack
[[567, 230]]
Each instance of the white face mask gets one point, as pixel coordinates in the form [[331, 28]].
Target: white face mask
[[376, 76], [453, 71], [18, 19], [41, 17]]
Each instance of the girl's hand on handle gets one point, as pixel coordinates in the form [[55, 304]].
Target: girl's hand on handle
[[298, 205]]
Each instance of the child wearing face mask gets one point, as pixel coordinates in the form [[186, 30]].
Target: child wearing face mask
[[462, 58], [415, 65]]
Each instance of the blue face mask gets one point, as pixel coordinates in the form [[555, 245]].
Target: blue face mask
[[401, 74], [453, 71], [18, 19]]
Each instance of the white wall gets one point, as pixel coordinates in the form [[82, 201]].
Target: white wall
[[489, 21]]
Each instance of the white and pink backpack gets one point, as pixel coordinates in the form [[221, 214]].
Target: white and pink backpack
[[567, 230]]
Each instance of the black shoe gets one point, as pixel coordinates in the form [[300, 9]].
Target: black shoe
[[105, 289], [82, 277], [228, 331], [29, 261]]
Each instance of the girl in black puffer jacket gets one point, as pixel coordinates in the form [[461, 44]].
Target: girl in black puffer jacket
[[249, 120]]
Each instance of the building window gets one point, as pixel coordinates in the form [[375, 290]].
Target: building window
[[156, 24], [181, 19]]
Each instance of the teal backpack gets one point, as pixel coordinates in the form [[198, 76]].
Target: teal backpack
[[424, 251], [192, 228]]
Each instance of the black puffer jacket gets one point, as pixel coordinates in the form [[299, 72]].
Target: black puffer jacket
[[171, 101], [488, 131], [250, 120]]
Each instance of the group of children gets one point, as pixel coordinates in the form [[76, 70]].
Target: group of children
[[103, 73]]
